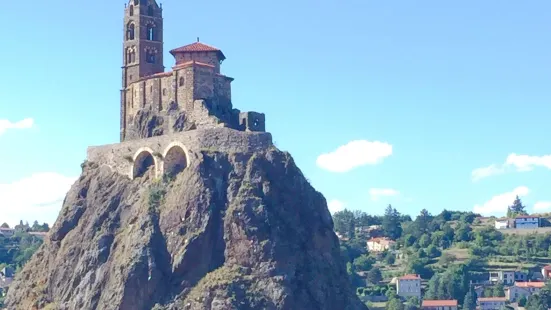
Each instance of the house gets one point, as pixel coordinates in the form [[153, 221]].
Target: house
[[439, 305], [379, 244], [409, 286], [341, 237], [546, 272], [7, 272], [523, 289], [505, 277], [501, 223], [7, 232], [526, 222], [521, 276], [492, 303]]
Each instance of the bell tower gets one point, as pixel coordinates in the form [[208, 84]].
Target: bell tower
[[142, 47]]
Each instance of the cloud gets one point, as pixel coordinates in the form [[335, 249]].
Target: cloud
[[23, 124], [498, 204], [353, 155], [542, 206], [38, 197], [335, 206], [376, 193], [485, 172], [513, 162]]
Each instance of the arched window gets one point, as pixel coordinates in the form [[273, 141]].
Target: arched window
[[133, 56], [131, 10], [151, 33], [128, 56], [136, 2], [130, 32], [150, 10], [181, 81], [150, 56]]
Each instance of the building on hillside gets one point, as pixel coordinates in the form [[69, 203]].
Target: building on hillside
[[492, 303], [546, 272], [379, 244], [501, 223], [523, 289], [521, 276], [439, 304], [527, 222], [341, 237], [7, 232], [505, 277], [409, 286]]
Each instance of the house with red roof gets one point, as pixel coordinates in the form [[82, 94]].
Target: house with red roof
[[439, 304], [380, 244], [409, 286], [523, 289], [492, 303]]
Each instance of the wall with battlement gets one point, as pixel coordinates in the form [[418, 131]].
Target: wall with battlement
[[121, 156]]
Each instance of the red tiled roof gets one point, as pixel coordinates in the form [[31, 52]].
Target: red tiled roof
[[492, 299], [439, 303], [410, 277], [198, 47], [548, 268], [530, 284]]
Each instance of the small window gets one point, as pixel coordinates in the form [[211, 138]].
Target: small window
[[130, 32], [181, 81], [151, 33], [150, 89], [130, 77], [150, 56], [131, 10], [164, 91], [150, 10]]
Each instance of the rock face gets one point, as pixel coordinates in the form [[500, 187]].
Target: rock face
[[231, 231]]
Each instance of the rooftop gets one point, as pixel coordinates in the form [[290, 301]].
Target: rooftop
[[198, 47], [530, 284], [439, 303], [527, 217], [410, 277]]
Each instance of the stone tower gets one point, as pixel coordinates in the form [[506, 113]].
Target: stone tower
[[142, 47]]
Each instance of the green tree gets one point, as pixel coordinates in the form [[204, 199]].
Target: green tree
[[470, 300], [499, 290], [516, 209], [394, 304], [522, 301], [363, 263], [345, 223], [433, 251], [374, 275], [391, 223], [5, 225], [390, 258]]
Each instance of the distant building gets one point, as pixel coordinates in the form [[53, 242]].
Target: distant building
[[505, 277], [7, 232], [379, 244], [501, 223], [492, 303], [527, 222], [546, 272], [409, 286], [523, 289], [521, 276], [439, 305]]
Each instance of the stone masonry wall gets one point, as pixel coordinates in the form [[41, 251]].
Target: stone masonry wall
[[119, 157]]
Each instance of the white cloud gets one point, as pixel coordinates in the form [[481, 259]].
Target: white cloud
[[542, 206], [485, 172], [498, 204], [23, 124], [519, 163], [38, 197], [376, 193], [354, 154], [335, 206], [527, 162]]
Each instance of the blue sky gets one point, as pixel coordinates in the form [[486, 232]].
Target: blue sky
[[446, 88]]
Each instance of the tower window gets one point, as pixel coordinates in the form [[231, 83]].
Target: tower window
[[131, 10], [181, 81], [150, 56], [136, 2], [164, 91], [150, 10], [151, 33], [130, 32]]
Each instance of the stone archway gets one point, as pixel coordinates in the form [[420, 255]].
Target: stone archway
[[143, 162], [175, 158]]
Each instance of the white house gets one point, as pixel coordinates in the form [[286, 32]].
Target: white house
[[501, 223], [546, 272], [409, 286], [525, 221], [492, 303], [523, 289], [7, 232], [505, 277], [439, 304], [379, 244]]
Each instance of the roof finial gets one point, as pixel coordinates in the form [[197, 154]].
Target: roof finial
[[197, 39]]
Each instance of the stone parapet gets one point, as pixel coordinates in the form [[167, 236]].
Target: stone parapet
[[120, 157]]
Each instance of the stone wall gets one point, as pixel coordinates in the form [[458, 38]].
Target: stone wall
[[120, 157]]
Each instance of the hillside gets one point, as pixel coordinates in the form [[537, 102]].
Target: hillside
[[232, 231]]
